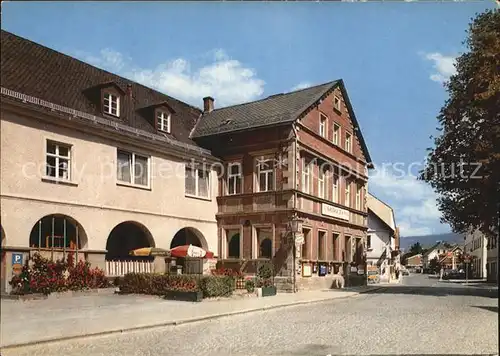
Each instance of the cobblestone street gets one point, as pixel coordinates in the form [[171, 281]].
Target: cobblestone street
[[418, 317]]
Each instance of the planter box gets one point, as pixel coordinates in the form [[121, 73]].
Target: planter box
[[268, 291], [185, 296]]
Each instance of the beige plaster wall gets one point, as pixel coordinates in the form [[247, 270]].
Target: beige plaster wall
[[94, 198]]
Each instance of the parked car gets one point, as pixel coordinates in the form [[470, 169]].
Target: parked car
[[405, 272]]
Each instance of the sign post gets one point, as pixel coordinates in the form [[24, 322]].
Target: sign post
[[17, 263]]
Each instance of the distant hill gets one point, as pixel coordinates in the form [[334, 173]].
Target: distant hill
[[428, 240]]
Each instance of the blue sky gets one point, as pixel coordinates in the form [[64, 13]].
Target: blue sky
[[393, 58]]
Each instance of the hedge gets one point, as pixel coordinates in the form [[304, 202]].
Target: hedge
[[159, 284]]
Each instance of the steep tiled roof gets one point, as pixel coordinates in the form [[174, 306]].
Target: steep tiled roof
[[279, 108], [38, 71], [273, 110]]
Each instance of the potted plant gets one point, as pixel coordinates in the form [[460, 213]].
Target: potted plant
[[183, 289], [265, 286]]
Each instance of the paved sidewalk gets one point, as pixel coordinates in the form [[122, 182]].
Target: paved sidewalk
[[65, 318]]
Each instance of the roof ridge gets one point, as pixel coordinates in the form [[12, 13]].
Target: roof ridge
[[275, 95], [98, 68]]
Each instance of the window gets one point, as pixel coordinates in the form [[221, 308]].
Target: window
[[347, 201], [369, 241], [336, 134], [306, 176], [322, 125], [132, 168], [335, 188], [348, 142], [233, 248], [57, 161], [336, 103], [197, 182], [321, 183], [234, 178], [358, 197], [335, 243], [111, 104], [163, 121], [306, 245], [321, 245], [265, 175]]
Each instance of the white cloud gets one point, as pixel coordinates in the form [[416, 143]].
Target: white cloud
[[227, 80], [444, 66], [300, 86], [413, 201]]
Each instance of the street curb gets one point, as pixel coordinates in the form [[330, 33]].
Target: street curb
[[179, 322]]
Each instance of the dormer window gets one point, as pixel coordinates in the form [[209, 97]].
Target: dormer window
[[111, 104], [163, 121]]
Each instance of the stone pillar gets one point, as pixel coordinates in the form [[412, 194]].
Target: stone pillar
[[96, 258], [159, 265]]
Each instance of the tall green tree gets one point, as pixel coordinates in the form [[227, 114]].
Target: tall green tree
[[464, 165]]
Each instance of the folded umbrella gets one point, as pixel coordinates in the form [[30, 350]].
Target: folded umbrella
[[148, 251]]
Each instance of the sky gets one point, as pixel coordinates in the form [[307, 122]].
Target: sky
[[392, 56]]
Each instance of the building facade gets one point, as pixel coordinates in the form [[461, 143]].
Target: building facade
[[415, 262], [290, 156], [492, 259], [381, 237], [97, 165], [476, 246]]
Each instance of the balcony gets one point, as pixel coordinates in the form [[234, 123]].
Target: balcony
[[256, 202]]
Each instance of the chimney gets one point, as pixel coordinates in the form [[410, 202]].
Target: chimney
[[129, 90], [208, 104]]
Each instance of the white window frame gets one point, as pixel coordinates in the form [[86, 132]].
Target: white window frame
[[335, 188], [323, 125], [58, 158], [109, 96], [336, 134], [337, 103], [358, 196], [306, 176], [197, 184], [321, 183], [163, 120], [266, 173], [347, 196], [234, 177], [348, 142], [132, 156]]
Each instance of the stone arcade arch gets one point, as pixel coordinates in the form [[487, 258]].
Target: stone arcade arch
[[57, 232], [189, 236], [125, 237]]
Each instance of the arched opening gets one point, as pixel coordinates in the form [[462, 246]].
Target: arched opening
[[234, 246], [125, 237], [189, 236], [266, 249], [57, 232]]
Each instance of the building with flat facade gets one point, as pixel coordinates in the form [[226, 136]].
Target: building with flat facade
[[297, 155], [97, 165], [381, 236]]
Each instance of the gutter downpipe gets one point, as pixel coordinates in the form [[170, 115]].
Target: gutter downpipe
[[294, 249]]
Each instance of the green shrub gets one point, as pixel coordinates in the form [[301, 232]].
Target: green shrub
[[217, 286], [250, 286], [265, 271], [159, 284]]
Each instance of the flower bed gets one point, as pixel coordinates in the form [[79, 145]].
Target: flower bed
[[43, 276], [165, 284]]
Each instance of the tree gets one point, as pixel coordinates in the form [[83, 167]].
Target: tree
[[464, 165], [434, 265], [415, 249]]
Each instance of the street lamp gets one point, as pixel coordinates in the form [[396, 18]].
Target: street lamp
[[295, 226]]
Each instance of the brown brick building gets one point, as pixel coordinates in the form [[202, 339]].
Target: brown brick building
[[296, 154]]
